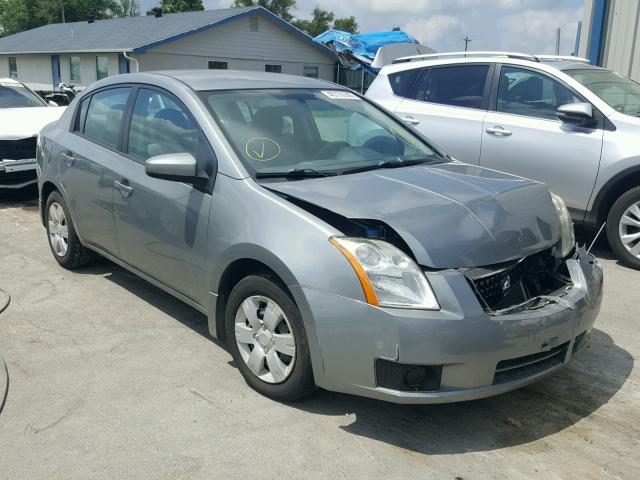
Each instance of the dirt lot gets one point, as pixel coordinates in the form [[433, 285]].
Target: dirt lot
[[111, 378]]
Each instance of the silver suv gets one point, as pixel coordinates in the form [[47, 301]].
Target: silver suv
[[558, 120]]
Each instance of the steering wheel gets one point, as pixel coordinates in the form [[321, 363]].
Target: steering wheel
[[385, 145], [330, 150]]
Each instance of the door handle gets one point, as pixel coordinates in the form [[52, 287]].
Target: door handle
[[68, 158], [125, 189], [499, 131], [410, 120]]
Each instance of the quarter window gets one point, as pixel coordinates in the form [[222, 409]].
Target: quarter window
[[74, 69], [273, 68], [102, 67], [525, 92], [401, 82], [215, 65], [13, 67], [104, 116], [159, 125], [458, 86]]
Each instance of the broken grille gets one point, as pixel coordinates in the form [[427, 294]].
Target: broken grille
[[513, 284]]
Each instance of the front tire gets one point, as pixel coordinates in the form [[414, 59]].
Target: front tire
[[63, 240], [267, 339], [623, 228]]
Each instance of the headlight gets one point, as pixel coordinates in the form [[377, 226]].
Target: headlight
[[388, 276], [566, 225]]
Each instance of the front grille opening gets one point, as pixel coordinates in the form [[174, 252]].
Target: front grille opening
[[505, 286], [18, 149], [529, 365], [407, 377]]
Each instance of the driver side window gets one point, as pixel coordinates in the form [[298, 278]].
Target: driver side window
[[159, 125], [530, 93]]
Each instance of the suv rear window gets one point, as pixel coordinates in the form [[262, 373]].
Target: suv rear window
[[401, 82], [458, 86]]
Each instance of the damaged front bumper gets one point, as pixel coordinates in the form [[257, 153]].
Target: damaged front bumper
[[460, 352]]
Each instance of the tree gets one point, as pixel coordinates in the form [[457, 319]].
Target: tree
[[347, 24], [282, 8], [129, 8], [323, 20], [173, 6]]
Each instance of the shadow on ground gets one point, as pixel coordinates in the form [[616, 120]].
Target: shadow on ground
[[516, 418]]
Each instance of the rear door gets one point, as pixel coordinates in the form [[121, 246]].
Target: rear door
[[447, 104], [162, 225], [89, 154], [522, 135]]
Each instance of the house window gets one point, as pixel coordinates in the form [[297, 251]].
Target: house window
[[13, 67], [74, 69], [215, 65], [308, 71], [102, 67], [253, 24], [273, 68]]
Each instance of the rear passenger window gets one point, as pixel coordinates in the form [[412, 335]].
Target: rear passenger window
[[458, 86], [159, 125], [104, 115], [401, 82]]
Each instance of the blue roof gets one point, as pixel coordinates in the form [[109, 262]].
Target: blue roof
[[135, 34]]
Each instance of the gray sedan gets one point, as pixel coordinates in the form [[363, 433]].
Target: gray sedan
[[328, 243]]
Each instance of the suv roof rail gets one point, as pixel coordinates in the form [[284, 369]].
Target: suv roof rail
[[563, 58], [415, 58]]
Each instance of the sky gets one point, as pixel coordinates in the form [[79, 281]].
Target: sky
[[527, 26]]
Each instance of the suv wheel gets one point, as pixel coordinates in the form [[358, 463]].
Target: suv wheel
[[623, 228], [267, 339], [64, 243]]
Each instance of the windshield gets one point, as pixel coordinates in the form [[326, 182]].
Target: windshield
[[323, 132], [619, 92], [14, 95]]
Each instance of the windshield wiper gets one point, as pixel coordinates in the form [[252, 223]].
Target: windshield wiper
[[295, 174], [396, 163]]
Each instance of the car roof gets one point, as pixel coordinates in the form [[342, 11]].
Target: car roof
[[557, 64], [11, 81], [240, 79]]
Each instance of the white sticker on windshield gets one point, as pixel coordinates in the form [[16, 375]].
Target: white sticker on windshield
[[340, 95]]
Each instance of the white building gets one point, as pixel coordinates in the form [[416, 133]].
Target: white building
[[611, 35], [80, 53]]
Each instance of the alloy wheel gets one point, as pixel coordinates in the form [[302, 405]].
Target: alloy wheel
[[58, 230], [629, 229], [265, 339]]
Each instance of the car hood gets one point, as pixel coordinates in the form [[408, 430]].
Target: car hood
[[26, 122], [450, 215]]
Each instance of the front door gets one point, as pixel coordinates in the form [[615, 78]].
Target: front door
[[162, 225], [88, 161], [447, 105], [523, 136]]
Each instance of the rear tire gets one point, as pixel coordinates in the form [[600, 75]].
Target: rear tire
[[267, 339], [623, 228], [63, 240]]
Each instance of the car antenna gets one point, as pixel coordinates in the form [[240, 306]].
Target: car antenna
[[596, 237]]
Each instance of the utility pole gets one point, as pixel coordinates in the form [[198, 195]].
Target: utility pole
[[466, 42], [558, 41]]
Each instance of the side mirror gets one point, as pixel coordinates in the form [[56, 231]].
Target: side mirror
[[576, 114], [177, 167], [51, 103]]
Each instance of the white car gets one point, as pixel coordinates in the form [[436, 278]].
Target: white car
[[558, 120], [22, 116]]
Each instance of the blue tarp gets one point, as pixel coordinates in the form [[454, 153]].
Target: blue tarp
[[360, 47]]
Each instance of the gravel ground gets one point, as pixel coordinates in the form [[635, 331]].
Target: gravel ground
[[110, 378]]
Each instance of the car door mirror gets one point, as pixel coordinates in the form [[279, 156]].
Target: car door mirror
[[177, 167], [576, 114], [51, 103]]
